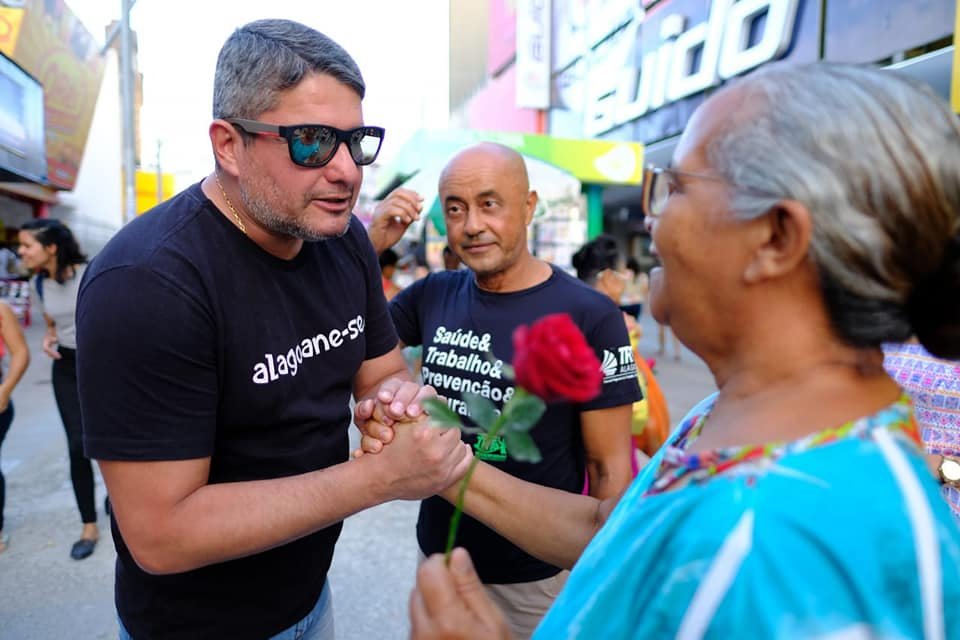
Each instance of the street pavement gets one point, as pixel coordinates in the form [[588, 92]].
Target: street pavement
[[45, 594]]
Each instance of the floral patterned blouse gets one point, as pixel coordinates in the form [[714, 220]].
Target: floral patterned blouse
[[934, 385]]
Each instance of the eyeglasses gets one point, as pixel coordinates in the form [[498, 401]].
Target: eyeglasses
[[659, 183], [314, 145]]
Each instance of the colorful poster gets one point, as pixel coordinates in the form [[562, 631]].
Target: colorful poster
[[10, 20], [57, 49]]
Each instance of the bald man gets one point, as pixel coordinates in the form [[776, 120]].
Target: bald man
[[462, 316]]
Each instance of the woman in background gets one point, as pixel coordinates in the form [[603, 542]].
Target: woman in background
[[19, 359], [596, 264], [48, 248]]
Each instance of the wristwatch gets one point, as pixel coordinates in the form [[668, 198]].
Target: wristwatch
[[949, 471]]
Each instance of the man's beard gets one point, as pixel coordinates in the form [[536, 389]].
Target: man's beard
[[261, 211]]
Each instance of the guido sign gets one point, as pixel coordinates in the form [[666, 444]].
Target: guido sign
[[671, 54]]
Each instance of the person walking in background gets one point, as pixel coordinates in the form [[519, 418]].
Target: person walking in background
[[934, 385], [388, 267], [596, 264], [14, 343], [466, 315], [635, 291], [48, 248]]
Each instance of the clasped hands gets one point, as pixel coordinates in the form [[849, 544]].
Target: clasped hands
[[447, 601], [421, 460]]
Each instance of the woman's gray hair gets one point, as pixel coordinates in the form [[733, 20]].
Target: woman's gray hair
[[875, 157], [261, 60]]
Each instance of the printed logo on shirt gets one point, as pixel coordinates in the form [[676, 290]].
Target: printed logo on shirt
[[497, 452], [619, 366], [275, 365], [458, 361]]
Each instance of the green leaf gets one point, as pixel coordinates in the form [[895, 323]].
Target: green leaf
[[440, 414], [521, 447], [482, 411], [523, 411]]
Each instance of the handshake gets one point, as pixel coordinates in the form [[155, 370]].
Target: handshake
[[411, 460]]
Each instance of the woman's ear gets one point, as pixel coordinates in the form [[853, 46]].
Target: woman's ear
[[787, 230]]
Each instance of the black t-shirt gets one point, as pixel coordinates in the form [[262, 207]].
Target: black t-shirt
[[458, 323], [195, 343]]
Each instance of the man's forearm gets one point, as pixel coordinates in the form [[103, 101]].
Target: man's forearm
[[609, 477], [220, 522], [550, 524]]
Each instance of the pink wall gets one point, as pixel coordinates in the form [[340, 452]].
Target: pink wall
[[494, 107], [501, 34]]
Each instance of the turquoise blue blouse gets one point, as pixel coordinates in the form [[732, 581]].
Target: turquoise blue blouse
[[845, 537]]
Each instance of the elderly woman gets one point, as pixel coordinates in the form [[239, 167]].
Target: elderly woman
[[810, 215]]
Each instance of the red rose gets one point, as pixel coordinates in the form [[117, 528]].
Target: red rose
[[552, 360]]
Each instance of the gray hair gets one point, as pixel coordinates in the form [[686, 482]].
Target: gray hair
[[261, 60], [875, 157]]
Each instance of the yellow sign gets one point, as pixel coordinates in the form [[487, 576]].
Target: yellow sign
[[146, 187], [10, 21], [955, 85], [55, 48]]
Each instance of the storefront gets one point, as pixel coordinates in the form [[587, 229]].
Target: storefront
[[50, 74], [641, 75]]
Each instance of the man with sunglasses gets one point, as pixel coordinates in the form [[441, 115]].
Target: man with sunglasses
[[221, 337]]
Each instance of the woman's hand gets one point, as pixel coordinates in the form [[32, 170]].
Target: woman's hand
[[50, 344], [450, 602]]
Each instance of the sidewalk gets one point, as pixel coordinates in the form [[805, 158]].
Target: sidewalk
[[43, 592]]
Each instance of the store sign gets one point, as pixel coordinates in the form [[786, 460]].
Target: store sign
[[854, 35], [722, 43], [533, 54]]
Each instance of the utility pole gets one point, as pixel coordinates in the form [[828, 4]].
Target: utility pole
[[126, 110]]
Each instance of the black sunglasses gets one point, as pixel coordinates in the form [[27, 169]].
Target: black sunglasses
[[314, 145]]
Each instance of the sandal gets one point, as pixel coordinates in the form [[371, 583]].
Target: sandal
[[82, 548]]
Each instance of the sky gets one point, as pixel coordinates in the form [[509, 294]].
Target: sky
[[403, 58]]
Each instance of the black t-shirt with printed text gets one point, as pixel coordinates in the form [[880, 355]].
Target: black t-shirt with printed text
[[458, 324], [196, 343]]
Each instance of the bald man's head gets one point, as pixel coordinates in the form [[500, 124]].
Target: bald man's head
[[489, 154], [487, 204]]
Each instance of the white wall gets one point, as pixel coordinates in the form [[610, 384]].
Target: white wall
[[93, 210]]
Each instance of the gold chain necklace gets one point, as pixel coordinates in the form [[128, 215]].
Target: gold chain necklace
[[236, 217]]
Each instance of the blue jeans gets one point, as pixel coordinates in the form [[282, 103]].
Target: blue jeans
[[316, 625]]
